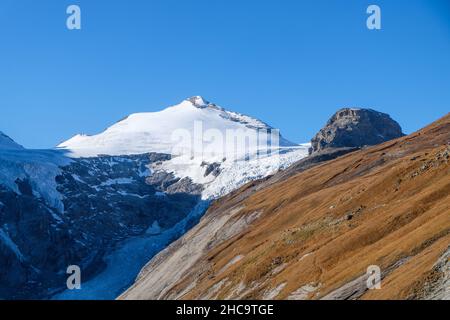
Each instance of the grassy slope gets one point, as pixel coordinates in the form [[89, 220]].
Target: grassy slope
[[388, 205]]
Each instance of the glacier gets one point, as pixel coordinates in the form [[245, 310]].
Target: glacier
[[85, 172], [154, 131]]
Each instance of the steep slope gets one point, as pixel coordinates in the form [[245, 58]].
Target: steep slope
[[314, 233], [6, 143], [56, 211]]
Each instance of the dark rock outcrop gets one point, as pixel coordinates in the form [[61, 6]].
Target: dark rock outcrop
[[356, 128], [212, 168]]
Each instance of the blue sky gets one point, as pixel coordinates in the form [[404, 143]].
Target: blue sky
[[290, 63]]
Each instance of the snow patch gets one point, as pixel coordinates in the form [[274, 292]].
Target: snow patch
[[127, 194], [111, 182]]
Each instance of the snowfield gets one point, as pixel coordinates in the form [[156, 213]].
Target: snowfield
[[190, 127], [234, 174], [40, 167], [197, 133]]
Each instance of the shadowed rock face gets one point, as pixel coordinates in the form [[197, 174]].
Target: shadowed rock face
[[106, 200], [356, 128]]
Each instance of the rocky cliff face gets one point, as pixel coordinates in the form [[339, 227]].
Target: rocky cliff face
[[355, 128], [312, 231], [105, 200]]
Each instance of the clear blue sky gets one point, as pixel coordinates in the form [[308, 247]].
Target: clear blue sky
[[291, 63]]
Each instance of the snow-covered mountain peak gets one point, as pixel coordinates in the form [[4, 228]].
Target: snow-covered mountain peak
[[199, 101], [6, 143], [214, 147], [250, 122], [160, 131]]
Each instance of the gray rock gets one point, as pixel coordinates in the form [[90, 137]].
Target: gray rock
[[212, 168], [356, 128], [185, 185], [106, 199]]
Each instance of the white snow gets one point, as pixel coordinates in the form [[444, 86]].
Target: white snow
[[77, 178], [40, 167], [111, 182], [165, 132], [234, 173], [197, 132], [124, 193]]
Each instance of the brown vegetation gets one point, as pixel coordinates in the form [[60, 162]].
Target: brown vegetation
[[317, 231]]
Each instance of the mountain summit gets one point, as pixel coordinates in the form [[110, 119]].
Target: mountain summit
[[356, 128], [8, 143], [198, 101], [202, 138], [158, 131]]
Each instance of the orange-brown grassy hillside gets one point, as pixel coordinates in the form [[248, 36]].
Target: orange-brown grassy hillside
[[312, 235]]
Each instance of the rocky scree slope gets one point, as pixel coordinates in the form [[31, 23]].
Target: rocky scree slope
[[313, 233]]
